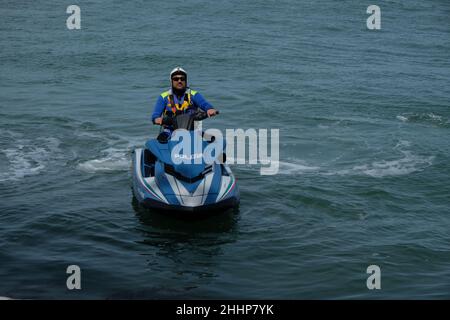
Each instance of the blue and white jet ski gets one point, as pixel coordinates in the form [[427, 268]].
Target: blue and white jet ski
[[160, 181]]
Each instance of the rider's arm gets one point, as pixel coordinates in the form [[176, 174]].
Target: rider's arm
[[201, 102], [158, 109]]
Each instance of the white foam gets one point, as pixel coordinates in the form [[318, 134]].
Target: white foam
[[28, 158], [292, 166], [89, 134], [434, 117], [402, 143], [114, 159], [10, 133], [296, 167], [421, 117], [408, 164]]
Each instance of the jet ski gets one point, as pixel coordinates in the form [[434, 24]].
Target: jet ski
[[196, 184]]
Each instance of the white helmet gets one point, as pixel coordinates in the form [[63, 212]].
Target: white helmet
[[177, 70]]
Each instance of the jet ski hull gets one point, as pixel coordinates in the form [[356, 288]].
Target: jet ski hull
[[157, 186]]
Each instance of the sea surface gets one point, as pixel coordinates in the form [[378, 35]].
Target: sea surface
[[364, 171]]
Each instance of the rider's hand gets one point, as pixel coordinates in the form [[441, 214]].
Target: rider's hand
[[158, 121], [211, 112]]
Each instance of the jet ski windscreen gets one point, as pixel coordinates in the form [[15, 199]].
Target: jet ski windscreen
[[184, 121]]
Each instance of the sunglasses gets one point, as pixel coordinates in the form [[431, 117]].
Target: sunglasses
[[178, 79]]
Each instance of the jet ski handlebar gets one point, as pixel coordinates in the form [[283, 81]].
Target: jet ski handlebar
[[167, 121], [201, 115], [197, 116]]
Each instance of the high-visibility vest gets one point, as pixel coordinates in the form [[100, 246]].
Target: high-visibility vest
[[176, 108]]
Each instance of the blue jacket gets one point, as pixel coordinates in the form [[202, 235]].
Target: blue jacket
[[161, 103]]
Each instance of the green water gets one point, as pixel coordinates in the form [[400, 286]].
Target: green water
[[364, 120]]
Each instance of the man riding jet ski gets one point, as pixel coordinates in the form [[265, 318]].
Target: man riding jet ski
[[167, 176], [179, 99]]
